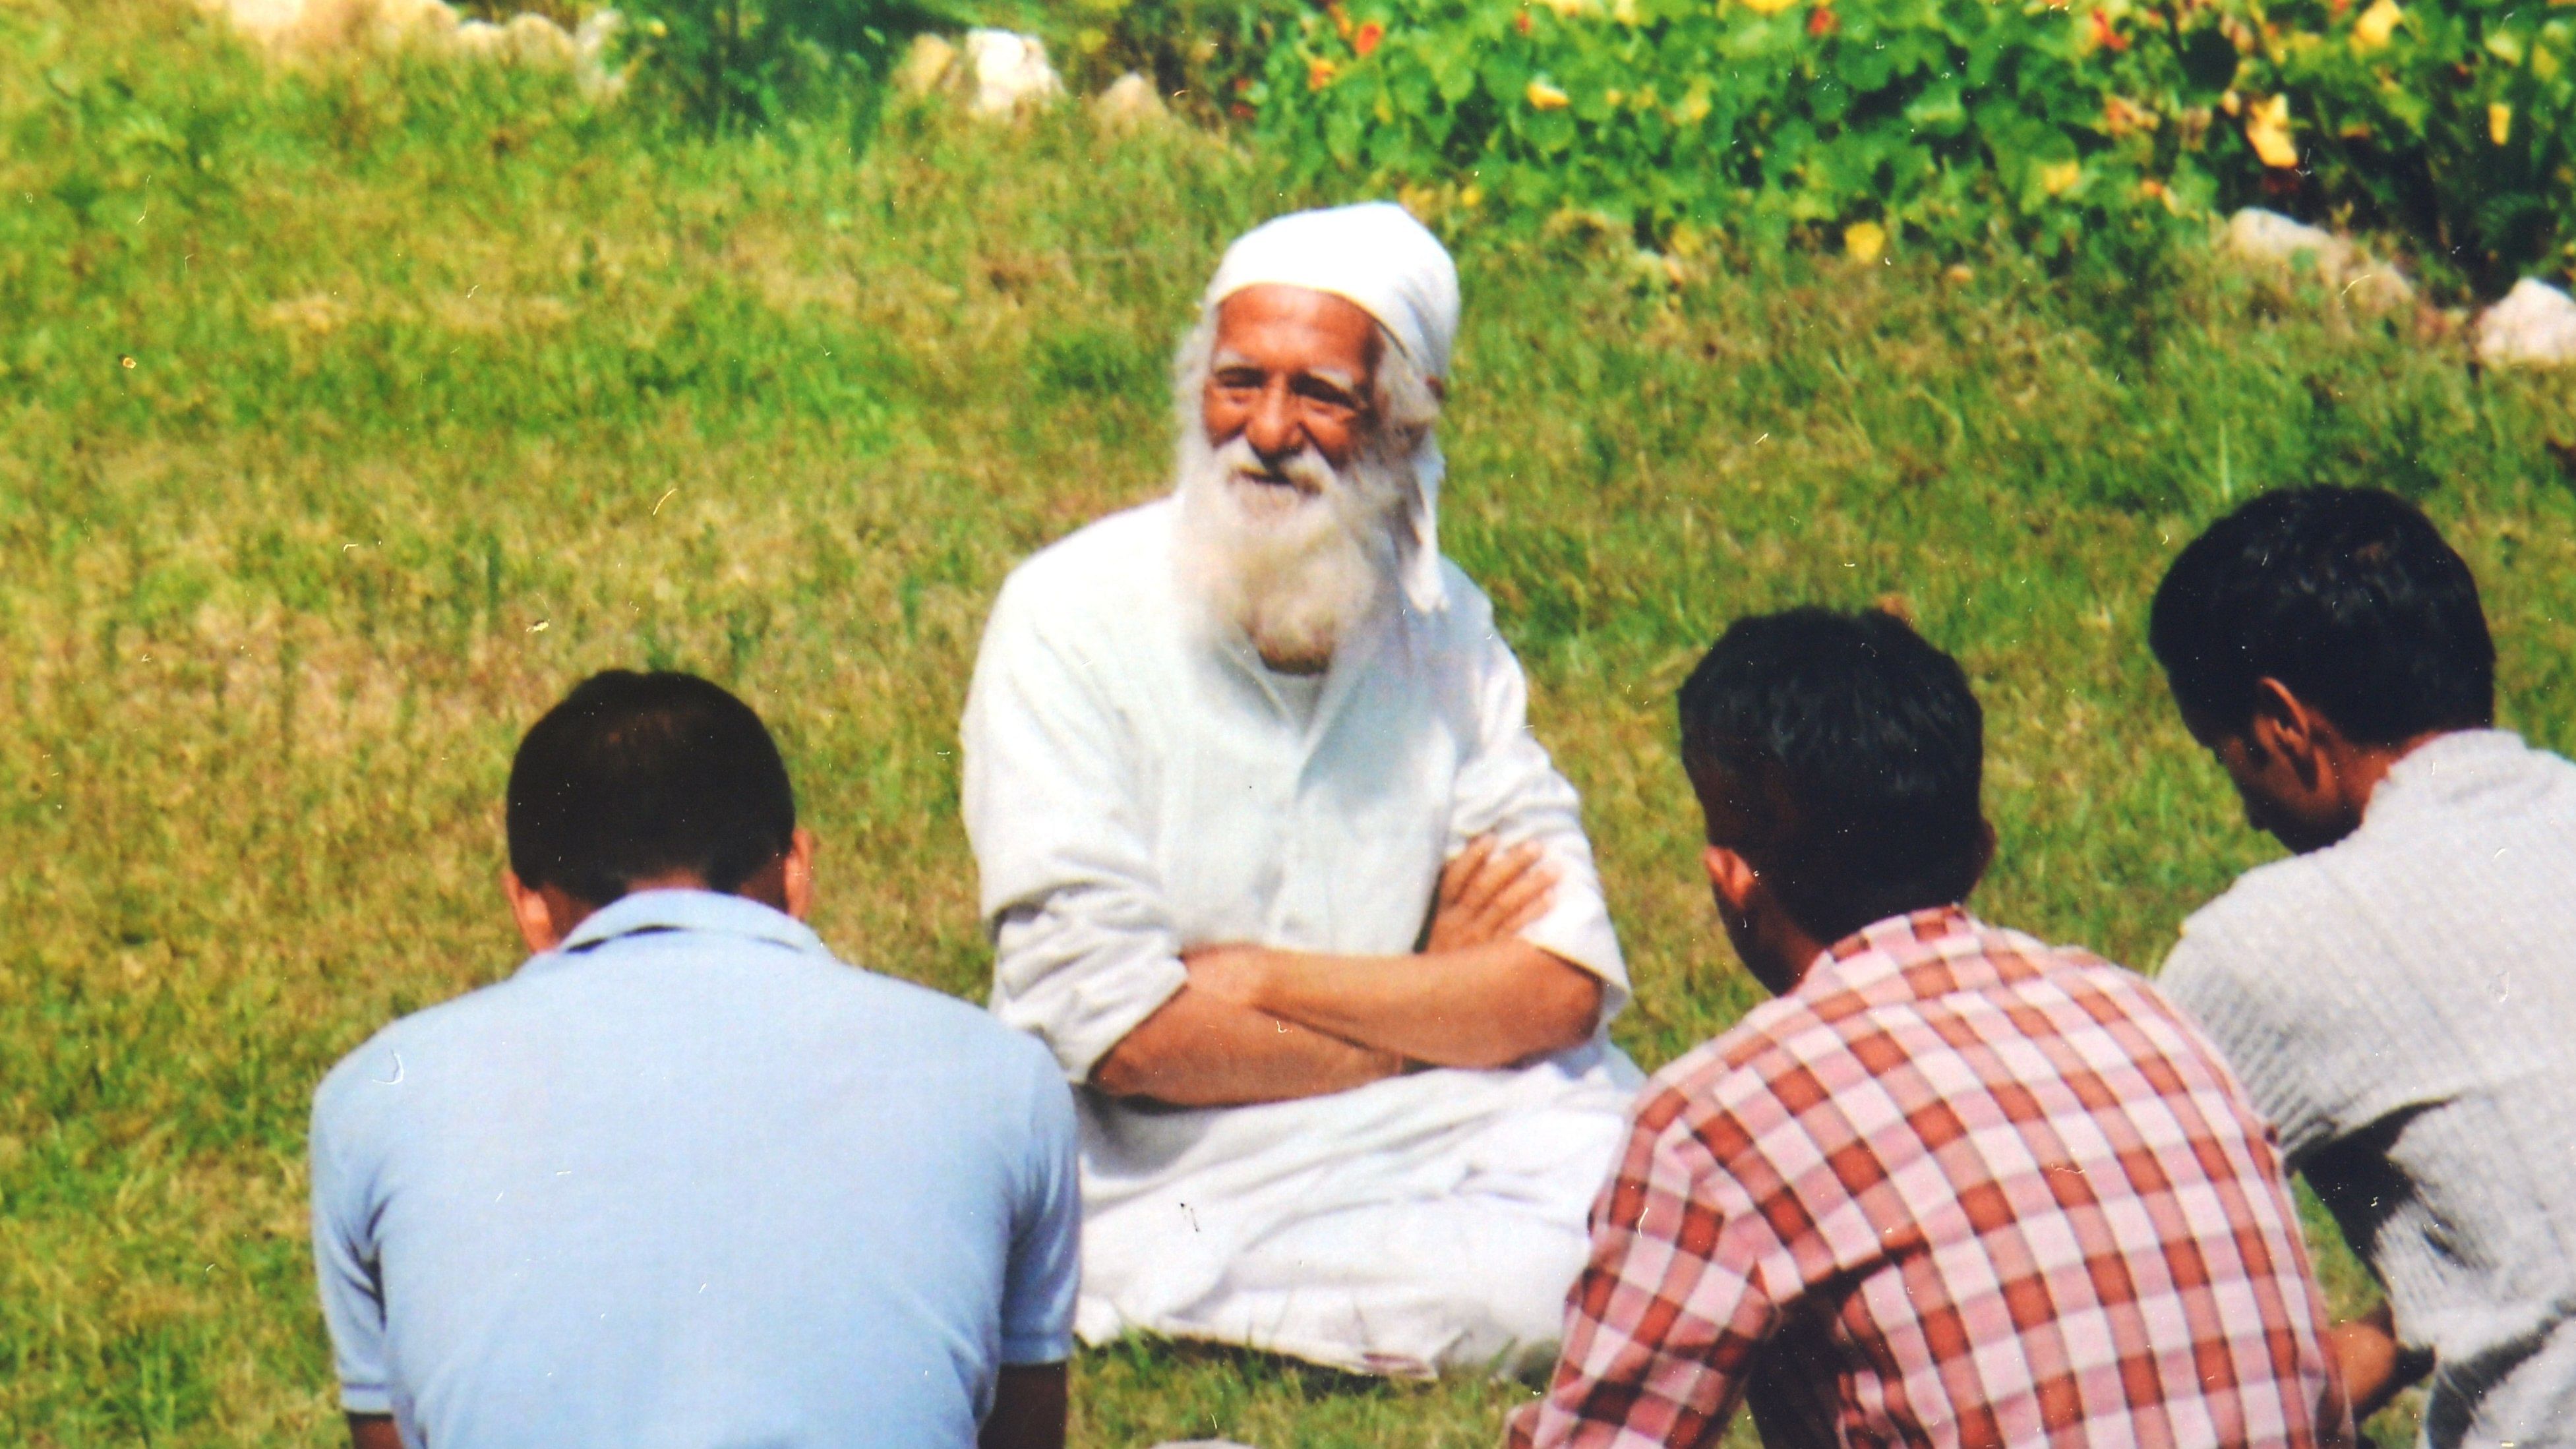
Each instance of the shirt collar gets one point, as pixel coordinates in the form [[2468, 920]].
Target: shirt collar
[[689, 910], [1880, 947]]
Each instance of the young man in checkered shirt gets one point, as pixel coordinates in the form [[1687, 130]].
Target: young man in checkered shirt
[[1954, 1186]]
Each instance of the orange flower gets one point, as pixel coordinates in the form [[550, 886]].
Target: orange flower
[[1370, 34], [2104, 35], [1521, 22], [1341, 18], [1821, 21], [1319, 74]]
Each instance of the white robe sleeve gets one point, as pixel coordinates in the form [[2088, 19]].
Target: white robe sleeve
[[1510, 788], [1085, 949]]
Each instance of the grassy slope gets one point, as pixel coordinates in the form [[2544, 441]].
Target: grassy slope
[[445, 389]]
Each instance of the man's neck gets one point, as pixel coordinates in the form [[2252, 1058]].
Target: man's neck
[[2368, 766]]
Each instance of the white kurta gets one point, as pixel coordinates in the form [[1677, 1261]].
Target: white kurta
[[1136, 785]]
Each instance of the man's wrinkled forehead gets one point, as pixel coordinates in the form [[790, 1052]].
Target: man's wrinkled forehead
[[1278, 328]]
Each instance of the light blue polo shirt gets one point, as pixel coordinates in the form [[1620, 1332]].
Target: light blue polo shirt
[[690, 1181]]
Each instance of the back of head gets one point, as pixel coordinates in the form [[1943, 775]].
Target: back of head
[[1851, 753], [2348, 596], [641, 777]]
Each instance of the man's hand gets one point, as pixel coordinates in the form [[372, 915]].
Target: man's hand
[[1487, 893], [2375, 1365], [1255, 1024]]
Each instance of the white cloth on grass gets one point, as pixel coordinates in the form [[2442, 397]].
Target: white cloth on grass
[[1376, 256], [1135, 787]]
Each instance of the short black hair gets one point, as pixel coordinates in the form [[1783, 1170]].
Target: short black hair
[[635, 776], [1865, 750], [2347, 596]]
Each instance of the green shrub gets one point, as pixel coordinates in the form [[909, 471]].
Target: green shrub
[[1859, 121], [1952, 124], [722, 64], [1204, 54], [2449, 121]]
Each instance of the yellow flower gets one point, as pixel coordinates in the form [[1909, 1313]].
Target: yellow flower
[[1568, 9], [2500, 122], [2267, 130], [1544, 97], [2376, 24], [2057, 176], [1864, 241], [1768, 7], [1319, 74]]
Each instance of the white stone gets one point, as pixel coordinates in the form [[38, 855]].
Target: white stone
[[2534, 326], [591, 43], [2273, 239], [926, 66], [1130, 101], [1010, 71], [482, 38], [536, 40]]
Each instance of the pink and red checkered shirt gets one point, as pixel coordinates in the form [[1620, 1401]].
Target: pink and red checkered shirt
[[1957, 1188]]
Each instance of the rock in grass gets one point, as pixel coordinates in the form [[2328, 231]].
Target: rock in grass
[[1129, 102], [312, 26], [1010, 72], [926, 66], [2273, 240], [2534, 326]]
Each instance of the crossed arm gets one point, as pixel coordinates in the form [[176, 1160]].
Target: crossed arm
[[1256, 1025]]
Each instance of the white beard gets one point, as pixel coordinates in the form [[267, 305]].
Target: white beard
[[1297, 568]]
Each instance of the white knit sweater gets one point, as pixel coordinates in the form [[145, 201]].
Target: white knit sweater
[[2402, 1005]]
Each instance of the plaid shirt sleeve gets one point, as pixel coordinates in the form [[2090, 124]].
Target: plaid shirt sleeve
[[1682, 1288]]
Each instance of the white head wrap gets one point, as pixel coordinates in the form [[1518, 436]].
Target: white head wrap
[[1378, 257]]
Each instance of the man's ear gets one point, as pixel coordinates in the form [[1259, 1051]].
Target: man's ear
[[1731, 876], [796, 880], [2283, 728], [1985, 850], [531, 912]]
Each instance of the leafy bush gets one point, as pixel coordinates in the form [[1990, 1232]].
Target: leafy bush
[[2448, 119], [727, 63], [1871, 124], [1863, 120], [1204, 53]]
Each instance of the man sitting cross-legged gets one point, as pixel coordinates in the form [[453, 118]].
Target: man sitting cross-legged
[[684, 1179], [1225, 753], [2399, 996], [1954, 1186]]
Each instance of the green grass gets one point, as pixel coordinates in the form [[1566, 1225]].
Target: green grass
[[446, 388]]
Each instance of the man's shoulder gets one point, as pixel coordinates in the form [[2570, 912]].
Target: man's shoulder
[[391, 1055], [1105, 561], [2260, 925], [1735, 1069]]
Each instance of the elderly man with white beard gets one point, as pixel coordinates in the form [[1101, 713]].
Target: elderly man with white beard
[[1272, 862]]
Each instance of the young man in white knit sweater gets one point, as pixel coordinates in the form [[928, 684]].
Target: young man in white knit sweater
[[2399, 996]]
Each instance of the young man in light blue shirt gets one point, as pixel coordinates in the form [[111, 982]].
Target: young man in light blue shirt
[[684, 1179]]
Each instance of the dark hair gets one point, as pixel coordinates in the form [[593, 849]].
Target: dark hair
[[1860, 750], [2348, 596], [635, 776]]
